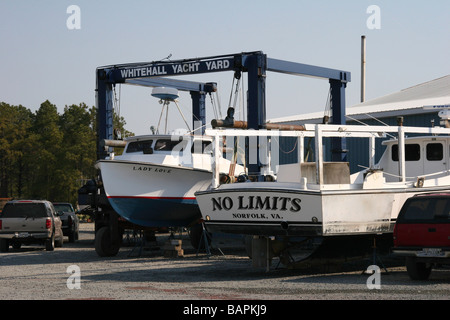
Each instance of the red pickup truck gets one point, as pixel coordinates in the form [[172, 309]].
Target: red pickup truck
[[422, 233]]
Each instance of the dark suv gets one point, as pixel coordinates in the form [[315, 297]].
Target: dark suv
[[422, 233], [70, 221]]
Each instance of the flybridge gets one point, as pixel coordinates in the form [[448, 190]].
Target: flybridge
[[173, 68]]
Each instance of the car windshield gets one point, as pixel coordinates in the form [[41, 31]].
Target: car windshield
[[63, 207], [426, 209], [24, 210]]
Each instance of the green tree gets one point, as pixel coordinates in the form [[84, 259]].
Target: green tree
[[45, 155], [48, 153], [16, 146], [78, 149]]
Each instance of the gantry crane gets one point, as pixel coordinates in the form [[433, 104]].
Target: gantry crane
[[158, 73]]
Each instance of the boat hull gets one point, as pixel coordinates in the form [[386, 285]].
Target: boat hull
[[153, 195], [269, 210]]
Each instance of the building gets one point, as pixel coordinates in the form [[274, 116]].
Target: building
[[417, 105]]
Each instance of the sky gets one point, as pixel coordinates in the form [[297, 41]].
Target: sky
[[45, 55]]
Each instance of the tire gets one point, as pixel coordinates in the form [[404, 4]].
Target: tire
[[418, 270], [4, 245], [103, 244], [72, 237], [16, 245], [60, 242], [50, 243], [74, 234]]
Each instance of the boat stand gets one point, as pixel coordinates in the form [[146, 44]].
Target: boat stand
[[261, 253], [375, 258], [204, 237], [140, 244]]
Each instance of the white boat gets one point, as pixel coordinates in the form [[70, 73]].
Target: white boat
[[322, 200], [152, 184]]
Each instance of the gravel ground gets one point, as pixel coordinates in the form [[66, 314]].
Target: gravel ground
[[31, 273]]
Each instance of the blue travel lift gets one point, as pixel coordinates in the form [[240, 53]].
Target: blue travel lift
[[154, 74]]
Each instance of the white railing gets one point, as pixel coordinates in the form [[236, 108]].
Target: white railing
[[320, 131]]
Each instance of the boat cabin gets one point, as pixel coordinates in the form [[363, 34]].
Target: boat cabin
[[166, 144], [189, 151], [423, 156]]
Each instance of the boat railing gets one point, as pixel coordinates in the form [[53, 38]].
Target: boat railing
[[319, 131]]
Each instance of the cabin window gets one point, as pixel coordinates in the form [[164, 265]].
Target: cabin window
[[412, 152], [435, 151], [139, 146], [201, 147], [169, 145]]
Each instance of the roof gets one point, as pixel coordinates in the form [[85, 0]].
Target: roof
[[410, 100]]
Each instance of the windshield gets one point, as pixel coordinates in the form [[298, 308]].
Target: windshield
[[24, 210], [139, 146], [65, 207], [169, 145], [426, 209]]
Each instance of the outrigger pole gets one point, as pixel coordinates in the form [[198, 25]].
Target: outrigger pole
[[216, 123]]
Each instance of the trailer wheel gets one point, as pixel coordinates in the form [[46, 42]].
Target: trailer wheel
[[103, 244]]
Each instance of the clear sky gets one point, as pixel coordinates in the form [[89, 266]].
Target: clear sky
[[41, 58]]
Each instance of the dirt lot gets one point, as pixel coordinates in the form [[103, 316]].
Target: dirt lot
[[77, 272]]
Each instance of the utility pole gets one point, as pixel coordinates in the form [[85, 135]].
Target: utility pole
[[363, 68]]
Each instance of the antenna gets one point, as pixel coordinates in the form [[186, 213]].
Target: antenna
[[444, 113], [363, 68], [167, 95]]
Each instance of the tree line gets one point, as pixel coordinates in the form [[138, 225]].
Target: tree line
[[47, 155]]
